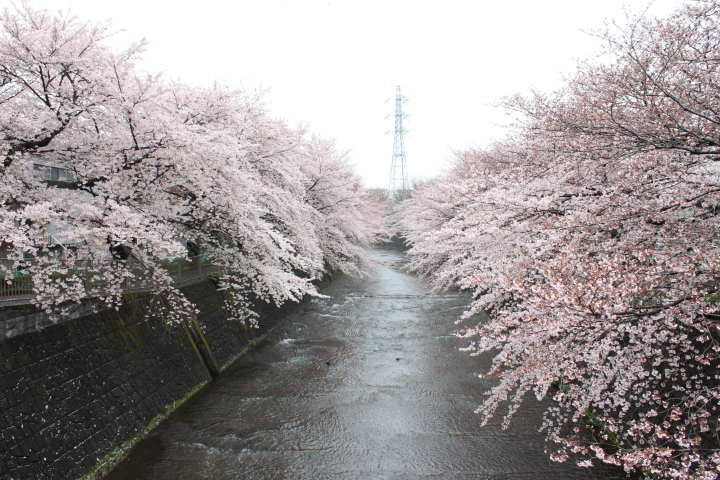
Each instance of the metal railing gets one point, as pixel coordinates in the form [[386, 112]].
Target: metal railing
[[190, 268], [16, 276]]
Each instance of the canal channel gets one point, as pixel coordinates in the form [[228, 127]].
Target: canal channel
[[365, 384]]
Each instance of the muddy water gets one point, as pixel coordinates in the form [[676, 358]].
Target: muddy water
[[367, 384]]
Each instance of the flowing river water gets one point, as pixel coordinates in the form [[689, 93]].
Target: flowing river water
[[366, 384]]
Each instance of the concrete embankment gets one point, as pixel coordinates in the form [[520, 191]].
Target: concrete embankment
[[75, 390]]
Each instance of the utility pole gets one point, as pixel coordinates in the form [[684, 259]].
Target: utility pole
[[399, 188]]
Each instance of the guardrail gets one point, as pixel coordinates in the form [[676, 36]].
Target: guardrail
[[20, 285]]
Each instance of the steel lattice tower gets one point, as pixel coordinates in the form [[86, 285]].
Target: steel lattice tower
[[399, 188]]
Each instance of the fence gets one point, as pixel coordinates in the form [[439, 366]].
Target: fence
[[16, 276]]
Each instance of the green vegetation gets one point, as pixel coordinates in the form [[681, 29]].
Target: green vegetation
[[215, 278], [109, 461], [600, 427], [594, 421], [559, 383], [252, 343]]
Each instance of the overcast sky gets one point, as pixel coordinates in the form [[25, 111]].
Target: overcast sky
[[332, 64]]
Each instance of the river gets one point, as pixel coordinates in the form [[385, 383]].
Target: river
[[366, 384]]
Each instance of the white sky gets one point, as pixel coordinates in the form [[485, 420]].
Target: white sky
[[332, 64]]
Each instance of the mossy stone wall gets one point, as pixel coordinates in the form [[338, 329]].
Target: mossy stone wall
[[73, 391]]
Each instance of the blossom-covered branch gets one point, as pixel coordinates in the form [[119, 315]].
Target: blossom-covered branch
[[592, 238], [152, 171]]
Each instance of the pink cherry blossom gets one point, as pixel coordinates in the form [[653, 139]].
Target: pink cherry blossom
[[591, 237], [156, 165]]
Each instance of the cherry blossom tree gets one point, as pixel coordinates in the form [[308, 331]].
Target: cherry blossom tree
[[157, 167], [591, 238], [344, 210]]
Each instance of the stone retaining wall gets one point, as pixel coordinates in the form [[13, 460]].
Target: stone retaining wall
[[73, 391]]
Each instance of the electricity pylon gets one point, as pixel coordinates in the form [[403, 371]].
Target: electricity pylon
[[399, 188]]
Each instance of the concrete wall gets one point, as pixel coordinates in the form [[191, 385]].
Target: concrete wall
[[74, 390]]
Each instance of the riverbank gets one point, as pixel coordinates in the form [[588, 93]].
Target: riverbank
[[73, 393]]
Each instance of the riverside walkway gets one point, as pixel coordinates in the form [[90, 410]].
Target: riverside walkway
[[366, 384]]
